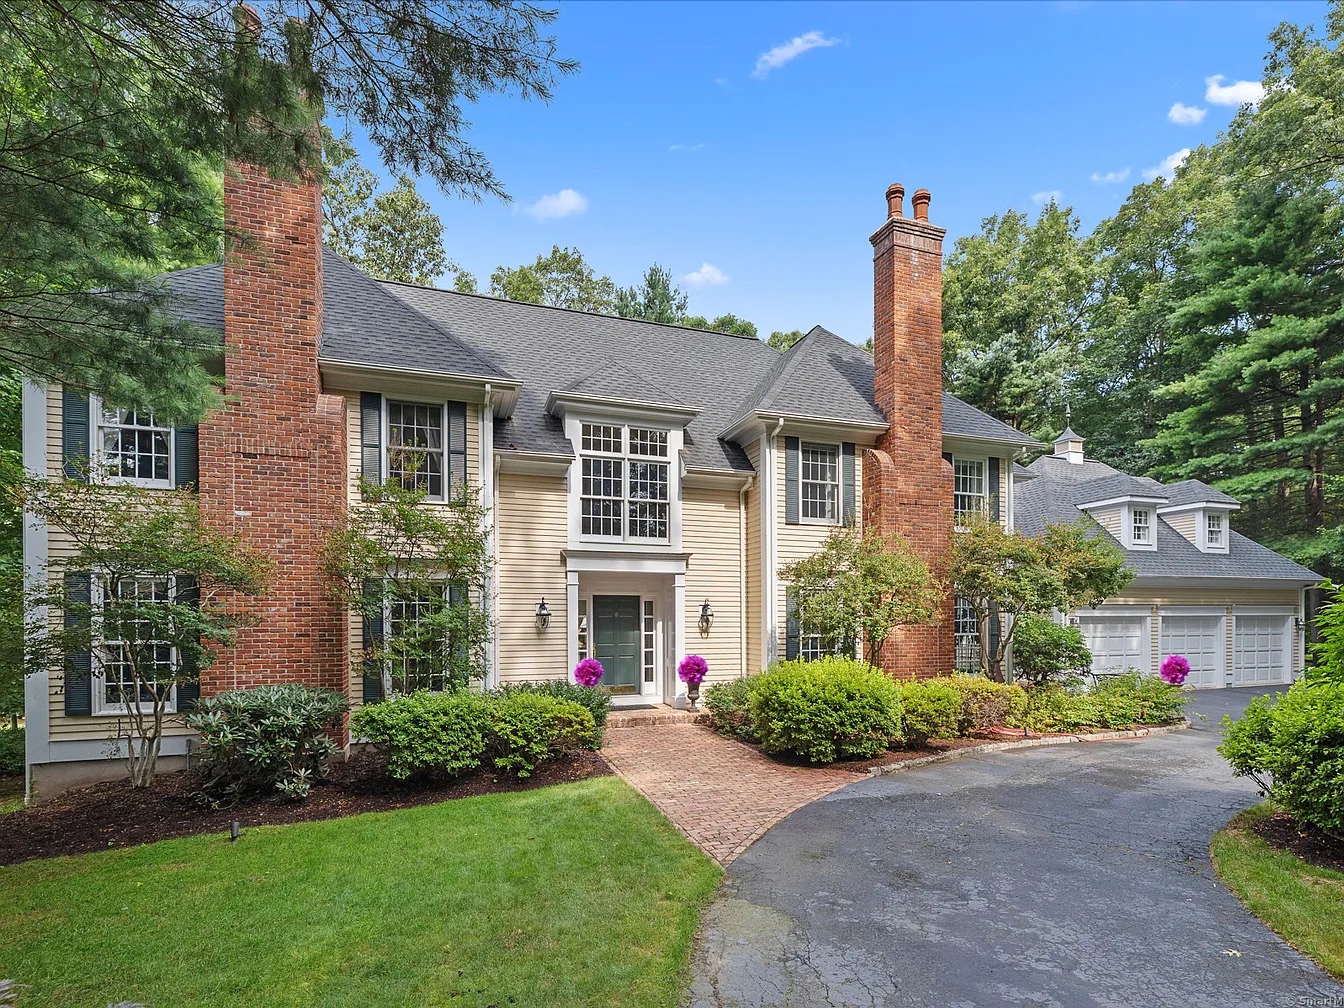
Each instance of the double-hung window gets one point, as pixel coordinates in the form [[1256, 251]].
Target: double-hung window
[[968, 487], [135, 447], [415, 447], [1213, 531], [416, 642], [1141, 527], [132, 662], [965, 636], [819, 483], [626, 487]]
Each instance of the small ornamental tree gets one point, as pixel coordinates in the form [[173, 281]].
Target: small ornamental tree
[[1326, 655], [417, 573], [1005, 575], [1044, 651], [138, 606], [862, 587]]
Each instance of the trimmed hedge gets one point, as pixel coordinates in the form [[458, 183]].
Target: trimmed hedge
[[930, 709], [729, 707], [826, 710], [1115, 702], [986, 704], [596, 698], [11, 751], [451, 733], [1292, 746]]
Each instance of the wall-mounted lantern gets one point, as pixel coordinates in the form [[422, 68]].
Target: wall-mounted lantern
[[543, 615], [706, 617]]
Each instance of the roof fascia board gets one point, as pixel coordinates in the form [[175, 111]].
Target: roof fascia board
[[1117, 501], [532, 463], [468, 388], [1016, 449], [561, 403], [753, 424], [1219, 581], [1197, 506], [717, 479]]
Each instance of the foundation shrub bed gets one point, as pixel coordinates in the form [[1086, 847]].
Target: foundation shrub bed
[[595, 698], [270, 737], [930, 709], [447, 734], [1115, 702], [11, 751], [826, 710], [729, 707], [986, 704], [1292, 746]]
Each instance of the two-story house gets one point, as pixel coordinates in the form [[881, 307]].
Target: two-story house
[[645, 483]]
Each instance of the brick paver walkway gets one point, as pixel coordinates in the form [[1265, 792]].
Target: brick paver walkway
[[723, 795]]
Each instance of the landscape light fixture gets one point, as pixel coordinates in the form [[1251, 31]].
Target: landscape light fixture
[[706, 616], [543, 615]]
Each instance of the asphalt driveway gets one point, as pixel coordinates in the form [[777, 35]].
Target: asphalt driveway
[[1073, 875]]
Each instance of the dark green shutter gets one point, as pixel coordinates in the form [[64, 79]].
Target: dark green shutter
[[995, 630], [994, 489], [186, 456], [792, 646], [457, 595], [371, 437], [75, 434], [792, 452], [78, 661], [847, 483], [457, 450], [373, 638], [189, 688]]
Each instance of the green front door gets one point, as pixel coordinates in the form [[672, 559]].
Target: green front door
[[616, 641]]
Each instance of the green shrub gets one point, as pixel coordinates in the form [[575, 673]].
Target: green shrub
[[930, 709], [1114, 702], [267, 737], [450, 733], [729, 706], [11, 751], [825, 710], [1045, 652], [1292, 746], [529, 728], [986, 704], [596, 698]]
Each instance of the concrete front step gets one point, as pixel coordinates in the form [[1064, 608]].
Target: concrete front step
[[663, 715]]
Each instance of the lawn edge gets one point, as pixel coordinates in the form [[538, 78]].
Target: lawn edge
[[1236, 826]]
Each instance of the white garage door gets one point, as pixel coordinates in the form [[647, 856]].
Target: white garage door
[[1116, 642], [1200, 640], [1260, 650]]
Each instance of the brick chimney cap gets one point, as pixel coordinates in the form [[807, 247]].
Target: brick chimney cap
[[248, 18], [895, 197], [920, 202]]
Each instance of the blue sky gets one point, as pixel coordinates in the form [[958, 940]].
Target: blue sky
[[759, 138]]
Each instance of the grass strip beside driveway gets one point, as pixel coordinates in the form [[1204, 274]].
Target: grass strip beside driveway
[[577, 894], [1302, 902]]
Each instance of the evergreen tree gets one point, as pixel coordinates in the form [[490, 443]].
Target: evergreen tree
[[655, 299]]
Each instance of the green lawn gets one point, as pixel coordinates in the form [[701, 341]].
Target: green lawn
[[1302, 903], [577, 894]]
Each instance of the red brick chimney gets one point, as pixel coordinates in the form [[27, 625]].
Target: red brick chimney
[[907, 484], [273, 461]]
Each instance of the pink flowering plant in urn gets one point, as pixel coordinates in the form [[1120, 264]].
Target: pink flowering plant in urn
[[588, 672], [692, 672], [1174, 669]]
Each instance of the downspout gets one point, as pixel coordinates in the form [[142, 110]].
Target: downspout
[[742, 569], [769, 591], [489, 480]]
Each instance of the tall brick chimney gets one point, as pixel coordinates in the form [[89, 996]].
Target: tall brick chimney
[[273, 461], [907, 484]]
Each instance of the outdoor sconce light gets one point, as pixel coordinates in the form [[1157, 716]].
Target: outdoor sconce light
[[543, 615], [1299, 623], [706, 616]]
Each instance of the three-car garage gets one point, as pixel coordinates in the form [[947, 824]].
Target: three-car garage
[[1226, 646]]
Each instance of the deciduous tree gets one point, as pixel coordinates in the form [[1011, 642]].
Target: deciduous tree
[[562, 279]]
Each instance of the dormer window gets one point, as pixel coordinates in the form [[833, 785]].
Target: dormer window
[[626, 482], [1141, 527], [1215, 531]]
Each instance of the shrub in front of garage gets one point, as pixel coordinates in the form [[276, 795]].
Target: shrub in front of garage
[[1045, 652], [1117, 701]]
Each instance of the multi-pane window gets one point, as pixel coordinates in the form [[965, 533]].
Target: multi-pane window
[[968, 486], [965, 637], [1141, 528], [128, 641], [626, 489], [134, 445], [1214, 531], [415, 447], [413, 640], [819, 482]]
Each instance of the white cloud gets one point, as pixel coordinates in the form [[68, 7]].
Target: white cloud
[[783, 53], [687, 147], [707, 275], [1110, 177], [1167, 168], [561, 204], [1242, 92], [1048, 196], [1186, 115]]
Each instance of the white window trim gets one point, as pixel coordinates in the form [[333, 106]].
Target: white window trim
[[1127, 526], [1202, 530], [100, 467], [675, 441], [98, 681], [983, 460], [803, 519], [387, 634], [385, 442]]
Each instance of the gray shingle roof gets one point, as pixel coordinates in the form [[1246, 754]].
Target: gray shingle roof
[[1192, 491], [1060, 486], [964, 420], [1121, 485], [616, 381]]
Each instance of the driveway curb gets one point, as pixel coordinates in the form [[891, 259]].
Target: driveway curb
[[1026, 743]]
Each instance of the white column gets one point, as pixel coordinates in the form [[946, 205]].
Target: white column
[[678, 633], [572, 617], [489, 494]]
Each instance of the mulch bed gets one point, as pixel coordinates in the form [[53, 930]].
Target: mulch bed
[[1282, 832], [114, 815]]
